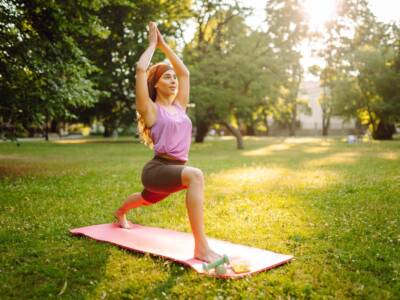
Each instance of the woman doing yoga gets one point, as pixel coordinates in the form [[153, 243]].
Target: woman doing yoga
[[162, 96]]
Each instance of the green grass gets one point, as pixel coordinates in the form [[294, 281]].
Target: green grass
[[334, 206]]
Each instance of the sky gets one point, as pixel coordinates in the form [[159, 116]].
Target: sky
[[384, 10], [319, 11]]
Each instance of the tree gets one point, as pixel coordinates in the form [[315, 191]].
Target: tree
[[332, 52], [286, 29], [377, 99], [116, 55], [75, 60], [230, 70], [360, 73], [203, 54], [43, 70]]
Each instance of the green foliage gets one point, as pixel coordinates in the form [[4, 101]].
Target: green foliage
[[230, 67], [43, 70], [287, 29], [75, 60], [117, 54], [361, 73]]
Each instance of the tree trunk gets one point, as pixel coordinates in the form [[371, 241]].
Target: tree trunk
[[201, 131], [236, 133], [31, 131], [292, 125], [324, 130], [107, 131], [384, 131], [54, 126], [325, 124], [294, 91], [46, 129], [250, 130]]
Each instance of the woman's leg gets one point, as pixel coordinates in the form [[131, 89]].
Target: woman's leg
[[194, 179], [133, 201]]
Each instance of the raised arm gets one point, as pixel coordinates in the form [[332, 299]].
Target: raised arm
[[181, 71], [143, 102]]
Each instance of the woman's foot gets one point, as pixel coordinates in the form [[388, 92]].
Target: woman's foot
[[206, 255], [121, 220]]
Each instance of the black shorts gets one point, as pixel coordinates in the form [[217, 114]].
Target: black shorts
[[161, 177]]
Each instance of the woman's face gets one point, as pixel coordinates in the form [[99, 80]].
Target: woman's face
[[168, 83]]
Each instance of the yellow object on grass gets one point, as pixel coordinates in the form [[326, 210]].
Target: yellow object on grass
[[240, 267]]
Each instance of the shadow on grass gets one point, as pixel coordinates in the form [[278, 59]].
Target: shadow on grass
[[41, 269], [164, 288], [97, 141], [343, 233]]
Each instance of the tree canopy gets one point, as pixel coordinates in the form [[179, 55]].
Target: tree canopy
[[75, 61]]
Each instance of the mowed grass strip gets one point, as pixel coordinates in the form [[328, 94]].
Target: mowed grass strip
[[334, 206]]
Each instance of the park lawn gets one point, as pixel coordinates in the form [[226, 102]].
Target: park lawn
[[332, 205]]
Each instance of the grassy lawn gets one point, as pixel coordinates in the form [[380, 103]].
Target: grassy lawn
[[334, 206]]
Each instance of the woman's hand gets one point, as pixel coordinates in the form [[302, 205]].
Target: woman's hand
[[153, 34], [160, 40]]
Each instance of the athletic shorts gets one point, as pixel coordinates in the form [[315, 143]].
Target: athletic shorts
[[161, 177]]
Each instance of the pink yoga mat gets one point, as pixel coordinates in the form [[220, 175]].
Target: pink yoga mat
[[178, 246]]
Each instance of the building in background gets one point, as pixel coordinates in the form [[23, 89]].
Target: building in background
[[312, 123]]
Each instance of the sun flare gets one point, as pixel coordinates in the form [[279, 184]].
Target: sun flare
[[318, 12]]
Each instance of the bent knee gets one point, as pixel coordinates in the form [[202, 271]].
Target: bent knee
[[192, 175], [143, 201]]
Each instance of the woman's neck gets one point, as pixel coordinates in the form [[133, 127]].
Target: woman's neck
[[165, 100]]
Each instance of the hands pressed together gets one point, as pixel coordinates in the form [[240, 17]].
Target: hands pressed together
[[156, 40], [155, 37]]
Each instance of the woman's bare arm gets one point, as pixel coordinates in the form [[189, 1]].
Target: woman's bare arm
[[142, 92], [176, 62], [181, 71], [144, 105]]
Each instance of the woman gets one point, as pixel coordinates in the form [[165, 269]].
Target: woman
[[162, 96]]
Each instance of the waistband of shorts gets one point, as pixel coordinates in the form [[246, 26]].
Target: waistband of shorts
[[167, 160]]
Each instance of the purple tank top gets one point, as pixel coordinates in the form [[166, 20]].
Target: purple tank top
[[172, 133]]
